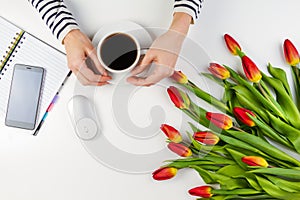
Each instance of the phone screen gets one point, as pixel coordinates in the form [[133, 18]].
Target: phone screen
[[24, 96]]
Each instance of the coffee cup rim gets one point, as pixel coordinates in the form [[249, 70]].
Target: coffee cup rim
[[128, 68]]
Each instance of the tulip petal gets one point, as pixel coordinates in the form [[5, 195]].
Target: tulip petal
[[231, 44], [201, 191], [164, 173], [251, 71], [290, 53], [172, 133]]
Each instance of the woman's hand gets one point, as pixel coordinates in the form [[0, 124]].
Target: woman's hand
[[78, 48], [163, 52]]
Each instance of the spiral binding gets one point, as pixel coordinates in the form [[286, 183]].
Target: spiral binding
[[10, 53]]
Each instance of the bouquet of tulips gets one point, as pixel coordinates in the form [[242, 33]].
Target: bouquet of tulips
[[238, 150]]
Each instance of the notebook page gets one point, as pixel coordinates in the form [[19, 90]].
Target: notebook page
[[32, 51], [7, 34]]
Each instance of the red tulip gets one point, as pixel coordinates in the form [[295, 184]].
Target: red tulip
[[202, 191], [219, 71], [180, 149], [179, 98], [242, 115], [179, 77], [206, 137], [171, 133], [255, 161], [220, 120], [290, 53], [164, 173], [251, 71], [232, 45]]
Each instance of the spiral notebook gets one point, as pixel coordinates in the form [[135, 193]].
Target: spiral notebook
[[18, 46]]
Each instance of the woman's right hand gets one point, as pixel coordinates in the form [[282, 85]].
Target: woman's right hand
[[78, 48]]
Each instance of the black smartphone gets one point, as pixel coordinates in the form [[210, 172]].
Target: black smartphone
[[24, 97]]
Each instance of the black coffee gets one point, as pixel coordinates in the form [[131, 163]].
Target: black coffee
[[118, 51]]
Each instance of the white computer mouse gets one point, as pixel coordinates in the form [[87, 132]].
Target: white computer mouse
[[83, 117]]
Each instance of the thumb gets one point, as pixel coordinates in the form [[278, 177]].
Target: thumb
[[146, 61]]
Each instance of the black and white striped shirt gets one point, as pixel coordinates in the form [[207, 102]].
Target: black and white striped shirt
[[60, 20]]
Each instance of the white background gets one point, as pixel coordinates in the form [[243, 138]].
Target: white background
[[54, 165]]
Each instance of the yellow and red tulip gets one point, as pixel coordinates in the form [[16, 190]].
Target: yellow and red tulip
[[172, 133], [180, 149], [220, 120], [206, 137], [242, 115], [178, 97], [251, 71], [290, 53], [179, 77], [201, 191], [219, 71], [255, 161], [232, 45], [164, 173]]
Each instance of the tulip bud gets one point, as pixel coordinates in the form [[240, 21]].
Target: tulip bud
[[290, 53], [232, 45], [171, 133], [219, 71], [251, 71], [201, 191], [242, 115], [255, 161], [178, 97], [220, 120], [164, 173], [180, 149], [179, 77], [206, 137]]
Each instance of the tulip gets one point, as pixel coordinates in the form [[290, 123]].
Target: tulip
[[180, 77], [178, 97], [201, 191], [164, 173], [206, 137], [251, 71], [220, 120], [242, 115], [255, 161], [290, 53], [180, 149], [219, 71], [171, 133], [232, 45]]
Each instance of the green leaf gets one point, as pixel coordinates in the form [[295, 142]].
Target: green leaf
[[281, 75], [288, 173], [237, 156], [275, 191], [231, 170], [213, 78], [264, 146], [206, 97], [289, 186], [267, 104], [272, 134], [296, 78], [285, 100], [290, 132], [243, 191], [225, 182], [249, 103]]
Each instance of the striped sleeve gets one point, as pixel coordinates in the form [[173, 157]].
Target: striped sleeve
[[191, 7], [56, 16]]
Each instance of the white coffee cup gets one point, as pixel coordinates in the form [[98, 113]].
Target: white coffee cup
[[119, 52]]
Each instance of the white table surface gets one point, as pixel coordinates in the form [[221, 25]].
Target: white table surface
[[55, 165]]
